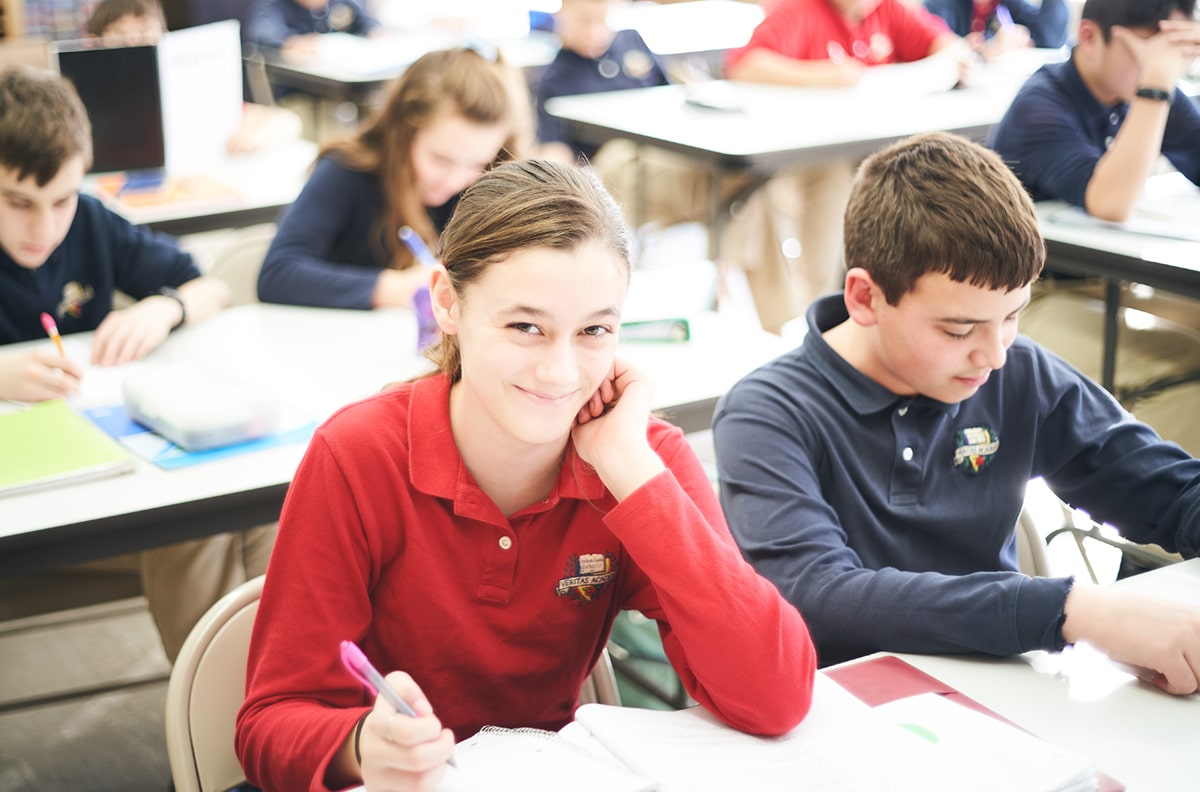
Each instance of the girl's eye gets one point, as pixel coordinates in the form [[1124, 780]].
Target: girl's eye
[[525, 327], [597, 331]]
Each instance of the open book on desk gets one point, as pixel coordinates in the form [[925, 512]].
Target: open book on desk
[[923, 743]]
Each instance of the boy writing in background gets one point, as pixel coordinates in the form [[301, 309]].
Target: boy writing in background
[[993, 27], [822, 44], [876, 473], [292, 26], [65, 254]]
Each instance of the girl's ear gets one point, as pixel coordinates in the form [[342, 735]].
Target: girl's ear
[[863, 296], [444, 301]]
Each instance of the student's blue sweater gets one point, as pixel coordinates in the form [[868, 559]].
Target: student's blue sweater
[[101, 253]]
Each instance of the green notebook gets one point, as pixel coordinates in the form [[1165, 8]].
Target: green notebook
[[50, 444]]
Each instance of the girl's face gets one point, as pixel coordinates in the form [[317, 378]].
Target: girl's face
[[451, 153], [537, 334]]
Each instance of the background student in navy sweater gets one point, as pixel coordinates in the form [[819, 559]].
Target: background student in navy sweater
[[996, 26], [446, 120]]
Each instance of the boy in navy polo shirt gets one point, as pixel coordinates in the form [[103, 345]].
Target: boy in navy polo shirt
[[65, 254], [876, 473], [593, 58], [292, 26], [1090, 131]]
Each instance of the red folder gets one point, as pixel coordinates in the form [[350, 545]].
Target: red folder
[[888, 678]]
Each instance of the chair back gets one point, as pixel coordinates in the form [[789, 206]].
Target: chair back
[[206, 689], [240, 260], [600, 687]]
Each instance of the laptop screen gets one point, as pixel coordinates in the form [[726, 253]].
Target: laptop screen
[[119, 87]]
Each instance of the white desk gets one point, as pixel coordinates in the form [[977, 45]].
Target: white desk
[[265, 183], [319, 360], [773, 128], [1137, 734], [352, 68], [1118, 254]]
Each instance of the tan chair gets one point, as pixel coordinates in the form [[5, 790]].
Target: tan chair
[[1031, 547], [208, 684], [239, 261], [206, 689]]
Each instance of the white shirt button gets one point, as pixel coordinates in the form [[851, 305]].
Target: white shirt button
[[505, 542], [907, 454], [903, 411]]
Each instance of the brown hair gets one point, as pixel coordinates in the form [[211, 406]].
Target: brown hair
[[42, 123], [109, 11], [522, 205], [459, 81], [940, 203]]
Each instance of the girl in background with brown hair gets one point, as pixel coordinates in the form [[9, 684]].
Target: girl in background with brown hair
[[479, 529], [447, 119]]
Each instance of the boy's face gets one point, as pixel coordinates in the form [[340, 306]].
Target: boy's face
[[1113, 68], [944, 338], [133, 31], [34, 220], [582, 27], [855, 9]]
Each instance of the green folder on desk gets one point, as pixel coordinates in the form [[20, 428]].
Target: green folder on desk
[[49, 444]]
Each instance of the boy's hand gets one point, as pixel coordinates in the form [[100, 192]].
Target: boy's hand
[[131, 333], [37, 375], [1165, 57], [610, 431], [1160, 636]]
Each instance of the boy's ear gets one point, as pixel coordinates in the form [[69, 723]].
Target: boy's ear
[[863, 296], [444, 301]]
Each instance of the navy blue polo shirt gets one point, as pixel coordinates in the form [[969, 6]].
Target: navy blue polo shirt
[[628, 63], [270, 22], [1055, 131], [101, 253], [1047, 21], [888, 520]]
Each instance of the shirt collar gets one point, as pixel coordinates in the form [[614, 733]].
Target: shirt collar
[[864, 395], [436, 467]]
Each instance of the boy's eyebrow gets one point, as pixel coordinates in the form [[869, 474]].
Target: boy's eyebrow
[[964, 320]]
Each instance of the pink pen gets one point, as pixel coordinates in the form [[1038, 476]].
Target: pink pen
[[360, 667]]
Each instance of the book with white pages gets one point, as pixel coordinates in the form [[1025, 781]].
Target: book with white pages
[[923, 743], [1169, 208]]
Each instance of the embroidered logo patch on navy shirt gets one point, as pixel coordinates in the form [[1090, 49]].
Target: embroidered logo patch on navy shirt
[[586, 576], [974, 448], [74, 296]]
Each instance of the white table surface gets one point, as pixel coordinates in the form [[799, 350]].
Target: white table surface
[[779, 126], [318, 360], [264, 181], [1136, 733]]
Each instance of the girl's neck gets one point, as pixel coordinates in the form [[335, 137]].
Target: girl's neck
[[514, 474]]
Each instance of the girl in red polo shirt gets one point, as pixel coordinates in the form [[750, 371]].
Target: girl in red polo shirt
[[480, 528]]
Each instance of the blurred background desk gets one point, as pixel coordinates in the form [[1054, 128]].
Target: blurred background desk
[[736, 127], [255, 188], [1121, 253], [318, 360]]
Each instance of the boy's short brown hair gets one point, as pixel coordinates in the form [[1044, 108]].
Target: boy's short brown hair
[[940, 203], [109, 11], [42, 123]]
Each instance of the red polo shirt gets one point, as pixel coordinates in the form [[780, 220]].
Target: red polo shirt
[[386, 540], [815, 30]]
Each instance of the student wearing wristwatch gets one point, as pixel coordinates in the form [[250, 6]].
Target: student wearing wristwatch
[[1090, 130]]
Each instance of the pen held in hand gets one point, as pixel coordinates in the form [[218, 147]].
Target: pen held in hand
[[52, 330], [412, 240], [360, 667]]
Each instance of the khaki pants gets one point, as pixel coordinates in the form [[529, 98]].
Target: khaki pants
[[806, 204], [182, 581]]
